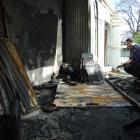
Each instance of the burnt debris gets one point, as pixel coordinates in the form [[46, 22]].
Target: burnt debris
[[16, 93]]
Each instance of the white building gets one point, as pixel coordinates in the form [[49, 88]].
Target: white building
[[108, 38]]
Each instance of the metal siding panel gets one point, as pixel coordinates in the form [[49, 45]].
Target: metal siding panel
[[76, 30]]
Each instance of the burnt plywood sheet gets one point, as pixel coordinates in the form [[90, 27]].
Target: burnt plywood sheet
[[82, 95]]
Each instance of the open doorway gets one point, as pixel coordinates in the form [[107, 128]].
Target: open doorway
[[106, 44]]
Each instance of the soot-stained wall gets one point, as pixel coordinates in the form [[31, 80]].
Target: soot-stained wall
[[33, 24]]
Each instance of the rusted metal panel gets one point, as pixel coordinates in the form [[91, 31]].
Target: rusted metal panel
[[76, 32]]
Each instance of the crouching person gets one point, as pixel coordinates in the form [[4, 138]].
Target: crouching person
[[132, 65]]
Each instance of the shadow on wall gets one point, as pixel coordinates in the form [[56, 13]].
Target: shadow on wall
[[42, 37]]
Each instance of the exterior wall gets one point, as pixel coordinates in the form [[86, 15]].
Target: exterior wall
[[114, 57], [38, 35], [106, 44], [41, 75], [97, 40], [101, 42], [104, 51], [115, 44], [93, 28], [114, 48]]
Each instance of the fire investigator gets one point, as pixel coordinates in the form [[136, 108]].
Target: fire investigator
[[132, 65]]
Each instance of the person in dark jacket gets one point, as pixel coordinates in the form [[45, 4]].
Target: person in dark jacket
[[132, 65]]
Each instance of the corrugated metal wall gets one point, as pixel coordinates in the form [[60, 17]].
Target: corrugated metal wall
[[76, 31]]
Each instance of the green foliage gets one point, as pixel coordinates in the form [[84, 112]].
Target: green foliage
[[137, 38]]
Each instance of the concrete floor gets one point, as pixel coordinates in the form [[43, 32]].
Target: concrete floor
[[87, 112], [81, 95]]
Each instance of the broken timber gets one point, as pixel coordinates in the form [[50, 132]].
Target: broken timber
[[126, 96], [135, 122], [14, 77]]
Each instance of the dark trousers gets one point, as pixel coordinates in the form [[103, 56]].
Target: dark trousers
[[133, 69]]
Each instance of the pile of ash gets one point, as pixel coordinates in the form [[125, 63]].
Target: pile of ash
[[129, 85], [85, 123]]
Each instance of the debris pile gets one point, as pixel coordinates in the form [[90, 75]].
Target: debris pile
[[16, 93], [128, 85], [46, 95], [86, 123], [14, 78], [81, 123]]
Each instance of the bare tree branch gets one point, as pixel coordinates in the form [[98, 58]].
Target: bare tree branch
[[130, 10]]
